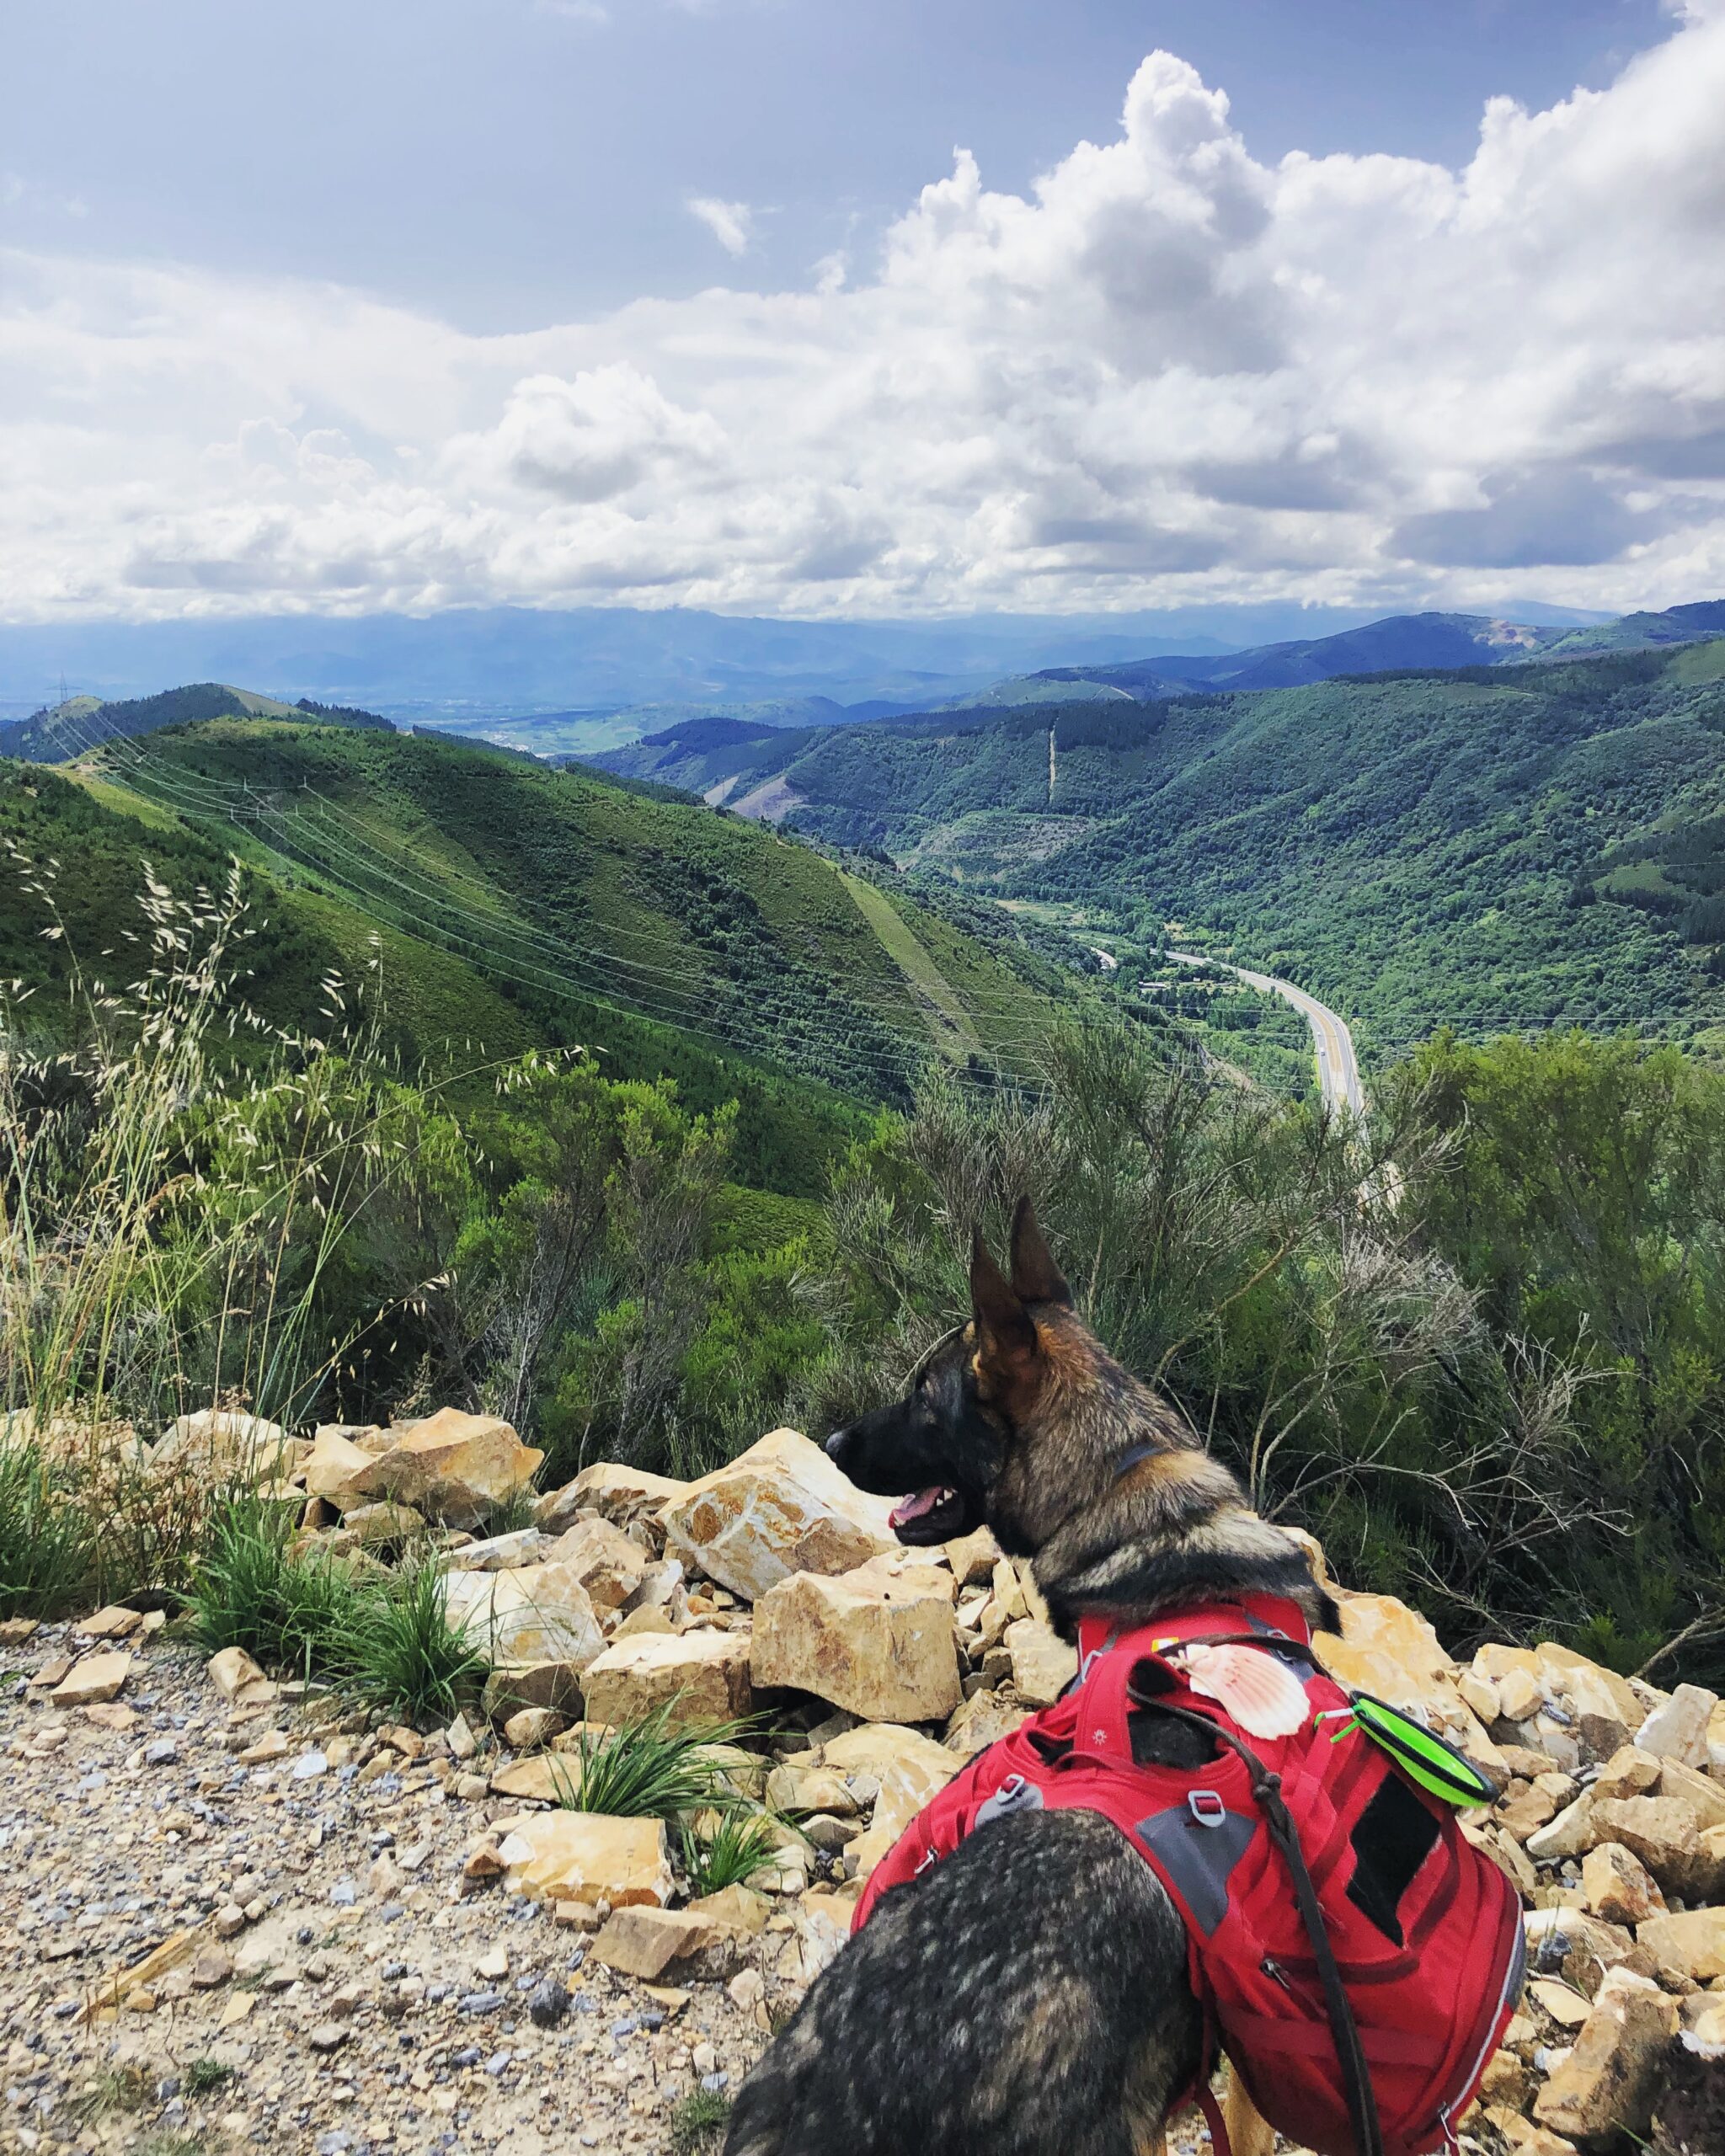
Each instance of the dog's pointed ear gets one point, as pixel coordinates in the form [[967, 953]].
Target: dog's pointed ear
[[1036, 1279], [1005, 1338]]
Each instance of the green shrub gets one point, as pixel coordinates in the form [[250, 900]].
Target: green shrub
[[383, 1636]]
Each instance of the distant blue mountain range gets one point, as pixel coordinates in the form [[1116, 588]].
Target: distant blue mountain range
[[462, 668]]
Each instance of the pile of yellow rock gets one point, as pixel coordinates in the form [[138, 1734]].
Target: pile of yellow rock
[[774, 1587]]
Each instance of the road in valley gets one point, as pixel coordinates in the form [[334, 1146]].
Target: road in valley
[[1337, 1066]]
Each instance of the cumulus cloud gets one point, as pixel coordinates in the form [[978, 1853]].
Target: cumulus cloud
[[1169, 373], [732, 224]]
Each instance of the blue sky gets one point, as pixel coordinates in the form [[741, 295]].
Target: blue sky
[[340, 307], [505, 163]]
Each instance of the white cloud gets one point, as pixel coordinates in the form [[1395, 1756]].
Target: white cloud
[[732, 224], [1170, 374]]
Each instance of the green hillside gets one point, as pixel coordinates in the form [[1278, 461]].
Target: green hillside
[[81, 723], [502, 902], [1497, 848]]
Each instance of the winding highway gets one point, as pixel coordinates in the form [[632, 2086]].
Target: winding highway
[[1337, 1066]]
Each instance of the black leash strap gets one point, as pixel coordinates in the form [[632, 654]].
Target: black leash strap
[[1266, 1789]]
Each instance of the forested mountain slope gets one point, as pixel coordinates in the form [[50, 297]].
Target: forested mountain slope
[[1495, 847]]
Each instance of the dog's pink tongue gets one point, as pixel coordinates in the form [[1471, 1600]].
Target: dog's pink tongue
[[914, 1507]]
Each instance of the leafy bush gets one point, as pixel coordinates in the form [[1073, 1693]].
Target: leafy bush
[[1276, 1273]]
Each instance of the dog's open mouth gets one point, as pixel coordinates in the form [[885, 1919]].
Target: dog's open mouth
[[935, 1515]]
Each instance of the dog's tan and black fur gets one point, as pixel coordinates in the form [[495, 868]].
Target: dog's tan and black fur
[[1028, 1996]]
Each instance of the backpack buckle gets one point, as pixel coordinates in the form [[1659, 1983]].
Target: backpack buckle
[[1206, 1808]]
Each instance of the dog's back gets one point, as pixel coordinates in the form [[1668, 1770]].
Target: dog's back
[[994, 2008]]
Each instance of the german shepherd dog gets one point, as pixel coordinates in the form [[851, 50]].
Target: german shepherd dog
[[1028, 1996]]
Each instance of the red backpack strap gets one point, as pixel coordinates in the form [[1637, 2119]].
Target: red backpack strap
[[1212, 2119], [1266, 1789]]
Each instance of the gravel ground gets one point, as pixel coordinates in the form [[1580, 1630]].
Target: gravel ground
[[359, 2002]]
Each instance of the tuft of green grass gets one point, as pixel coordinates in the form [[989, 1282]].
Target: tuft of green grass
[[47, 1539], [513, 1514], [115, 2088], [250, 1589], [204, 2074], [383, 1637], [648, 1769], [697, 2122], [741, 1844], [400, 1653]]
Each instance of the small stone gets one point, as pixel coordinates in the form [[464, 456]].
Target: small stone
[[1520, 1695], [548, 2003], [973, 1557], [1616, 1886], [1688, 1942], [274, 1744], [1678, 1730], [1605, 2087], [643, 1942], [532, 1726], [97, 1677], [1629, 1772], [212, 1967], [586, 1856], [514, 1685], [116, 1622], [1524, 1811], [111, 1714], [229, 1920], [231, 1670], [163, 1752], [309, 1765], [328, 2036], [697, 1676], [1042, 1663], [461, 1739], [493, 1964], [747, 1989]]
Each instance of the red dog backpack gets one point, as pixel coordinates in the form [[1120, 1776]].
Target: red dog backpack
[[1354, 1955]]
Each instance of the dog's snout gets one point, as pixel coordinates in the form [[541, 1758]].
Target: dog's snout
[[834, 1443]]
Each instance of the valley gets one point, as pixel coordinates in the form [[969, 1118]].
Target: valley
[[1498, 849]]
